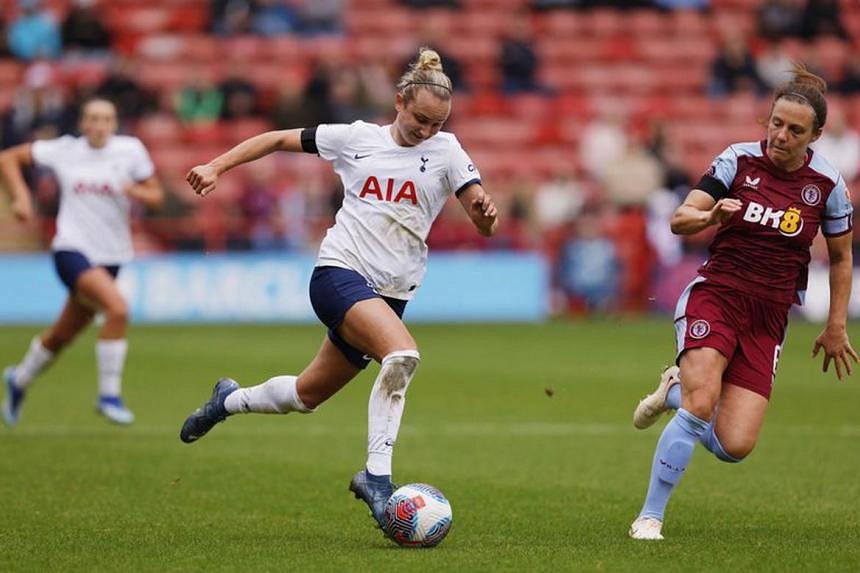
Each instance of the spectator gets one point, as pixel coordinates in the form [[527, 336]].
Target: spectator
[[239, 95], [319, 16], [603, 141], [259, 207], [232, 17], [558, 201], [823, 18], [38, 106], [421, 4], [683, 4], [773, 65], [589, 268], [34, 34], [346, 97], [850, 83], [432, 32], [676, 178], [120, 87], [778, 19], [83, 29], [293, 109], [199, 101], [633, 177], [840, 144], [518, 60], [734, 68], [4, 44], [273, 18]]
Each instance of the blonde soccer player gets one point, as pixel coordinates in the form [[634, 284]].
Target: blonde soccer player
[[396, 179]]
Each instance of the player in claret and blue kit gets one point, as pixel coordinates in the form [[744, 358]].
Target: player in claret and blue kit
[[99, 174], [396, 180], [769, 198]]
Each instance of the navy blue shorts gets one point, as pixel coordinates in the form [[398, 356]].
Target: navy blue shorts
[[333, 292], [70, 265]]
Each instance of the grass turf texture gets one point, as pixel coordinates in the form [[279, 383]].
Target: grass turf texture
[[537, 482]]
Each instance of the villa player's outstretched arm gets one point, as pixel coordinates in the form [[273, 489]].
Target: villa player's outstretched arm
[[700, 210], [834, 338]]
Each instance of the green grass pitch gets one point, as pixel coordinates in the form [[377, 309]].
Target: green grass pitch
[[537, 482]]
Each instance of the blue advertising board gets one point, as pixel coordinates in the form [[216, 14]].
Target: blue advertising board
[[468, 287]]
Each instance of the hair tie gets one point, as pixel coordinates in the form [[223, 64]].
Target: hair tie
[[798, 95], [443, 86]]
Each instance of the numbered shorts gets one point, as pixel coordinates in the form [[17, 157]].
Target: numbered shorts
[[70, 265], [333, 291], [748, 331]]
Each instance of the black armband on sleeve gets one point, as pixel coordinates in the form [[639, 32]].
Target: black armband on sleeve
[[309, 140], [463, 187], [713, 187]]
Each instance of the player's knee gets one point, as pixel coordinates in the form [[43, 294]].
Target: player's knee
[[699, 403], [736, 452], [398, 369], [117, 312], [56, 341]]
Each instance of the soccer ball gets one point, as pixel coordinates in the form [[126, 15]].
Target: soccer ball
[[417, 515]]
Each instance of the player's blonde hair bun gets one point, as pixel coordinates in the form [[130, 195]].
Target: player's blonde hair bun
[[428, 59], [425, 73]]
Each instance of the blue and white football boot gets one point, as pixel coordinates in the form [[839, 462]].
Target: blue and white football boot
[[113, 408], [206, 416], [14, 397], [374, 491]]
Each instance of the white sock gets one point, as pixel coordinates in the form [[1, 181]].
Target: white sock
[[385, 408], [276, 395], [110, 355], [35, 361]]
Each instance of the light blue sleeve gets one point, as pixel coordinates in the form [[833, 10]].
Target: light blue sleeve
[[838, 211], [725, 167]]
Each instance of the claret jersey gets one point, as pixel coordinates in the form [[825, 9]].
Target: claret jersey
[[763, 250], [392, 195], [94, 208]]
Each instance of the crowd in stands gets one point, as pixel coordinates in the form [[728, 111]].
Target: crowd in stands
[[589, 119]]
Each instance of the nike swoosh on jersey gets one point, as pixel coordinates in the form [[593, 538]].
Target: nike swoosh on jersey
[[357, 156]]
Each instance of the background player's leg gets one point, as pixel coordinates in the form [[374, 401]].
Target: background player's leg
[[43, 350], [733, 432], [701, 379], [327, 373], [97, 287]]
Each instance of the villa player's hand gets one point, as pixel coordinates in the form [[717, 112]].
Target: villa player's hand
[[837, 348], [202, 179], [723, 210]]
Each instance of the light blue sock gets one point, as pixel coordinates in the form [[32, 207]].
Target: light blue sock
[[673, 397], [674, 450], [712, 443]]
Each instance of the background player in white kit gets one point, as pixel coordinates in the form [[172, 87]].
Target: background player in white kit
[[99, 173], [396, 179]]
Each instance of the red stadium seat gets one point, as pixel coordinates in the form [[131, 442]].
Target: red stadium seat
[[11, 72]]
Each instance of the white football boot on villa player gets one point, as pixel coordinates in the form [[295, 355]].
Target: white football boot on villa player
[[646, 528], [653, 405]]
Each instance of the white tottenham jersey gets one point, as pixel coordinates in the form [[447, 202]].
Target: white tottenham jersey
[[94, 208], [392, 194]]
